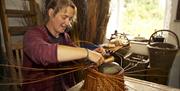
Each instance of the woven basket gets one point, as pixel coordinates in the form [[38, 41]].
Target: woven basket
[[162, 54], [96, 81]]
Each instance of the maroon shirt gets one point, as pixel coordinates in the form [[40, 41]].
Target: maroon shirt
[[40, 51]]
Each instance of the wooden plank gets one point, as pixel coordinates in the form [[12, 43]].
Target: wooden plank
[[33, 6], [19, 13], [18, 30]]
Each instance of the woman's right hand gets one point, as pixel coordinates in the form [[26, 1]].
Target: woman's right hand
[[95, 57]]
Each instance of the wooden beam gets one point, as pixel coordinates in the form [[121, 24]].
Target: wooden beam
[[19, 13], [18, 30]]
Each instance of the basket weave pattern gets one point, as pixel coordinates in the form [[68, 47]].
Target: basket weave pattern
[[162, 54], [96, 81]]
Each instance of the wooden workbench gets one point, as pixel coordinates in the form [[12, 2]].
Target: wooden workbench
[[133, 84]]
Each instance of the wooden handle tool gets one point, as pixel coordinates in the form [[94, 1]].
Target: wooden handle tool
[[109, 59]]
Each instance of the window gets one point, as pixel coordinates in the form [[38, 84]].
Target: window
[[136, 17]]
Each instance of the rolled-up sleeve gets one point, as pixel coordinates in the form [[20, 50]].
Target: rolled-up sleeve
[[38, 49]]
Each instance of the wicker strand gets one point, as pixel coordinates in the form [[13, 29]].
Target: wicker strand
[[96, 81]]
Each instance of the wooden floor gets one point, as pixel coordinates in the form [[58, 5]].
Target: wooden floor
[[133, 84]]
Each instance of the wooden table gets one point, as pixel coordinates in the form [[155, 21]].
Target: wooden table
[[133, 84]]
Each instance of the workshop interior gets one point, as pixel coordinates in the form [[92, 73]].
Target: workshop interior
[[140, 38]]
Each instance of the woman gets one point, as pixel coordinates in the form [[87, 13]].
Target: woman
[[49, 46]]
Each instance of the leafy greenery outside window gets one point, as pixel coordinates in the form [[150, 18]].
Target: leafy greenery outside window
[[136, 17]]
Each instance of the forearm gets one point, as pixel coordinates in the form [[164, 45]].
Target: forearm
[[67, 53]]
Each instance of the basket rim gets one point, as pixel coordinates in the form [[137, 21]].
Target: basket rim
[[176, 37], [105, 75]]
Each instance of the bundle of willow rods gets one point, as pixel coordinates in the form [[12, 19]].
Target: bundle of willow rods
[[97, 81]]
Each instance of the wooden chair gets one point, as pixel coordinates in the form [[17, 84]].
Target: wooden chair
[[14, 29], [17, 52]]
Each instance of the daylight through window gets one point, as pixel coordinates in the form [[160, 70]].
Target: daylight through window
[[136, 17]]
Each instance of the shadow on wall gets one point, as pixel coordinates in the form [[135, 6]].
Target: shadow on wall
[[174, 76]]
